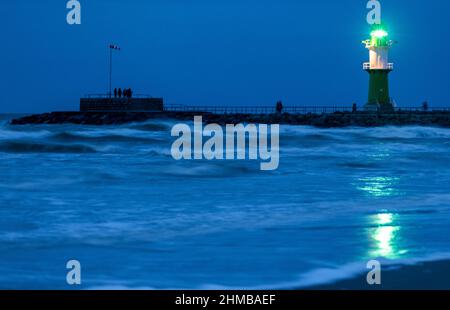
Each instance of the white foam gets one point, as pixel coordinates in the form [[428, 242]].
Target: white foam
[[316, 277]]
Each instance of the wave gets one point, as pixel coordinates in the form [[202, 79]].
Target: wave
[[32, 147], [327, 276], [71, 137], [21, 134], [151, 126], [373, 132], [209, 169], [313, 278]]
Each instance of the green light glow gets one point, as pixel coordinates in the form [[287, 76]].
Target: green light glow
[[385, 245], [379, 186], [384, 218], [380, 33], [385, 237]]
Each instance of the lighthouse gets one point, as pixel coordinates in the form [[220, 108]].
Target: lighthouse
[[379, 68]]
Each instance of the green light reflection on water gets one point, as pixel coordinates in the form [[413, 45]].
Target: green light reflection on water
[[379, 186], [385, 237]]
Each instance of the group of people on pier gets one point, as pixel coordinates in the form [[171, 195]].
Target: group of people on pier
[[126, 93]]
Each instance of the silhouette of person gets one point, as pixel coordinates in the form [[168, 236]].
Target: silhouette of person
[[115, 92], [120, 92], [279, 107], [130, 93]]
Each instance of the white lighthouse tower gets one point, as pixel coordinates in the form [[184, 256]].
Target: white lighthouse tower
[[379, 68]]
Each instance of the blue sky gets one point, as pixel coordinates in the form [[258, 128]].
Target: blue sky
[[217, 52]]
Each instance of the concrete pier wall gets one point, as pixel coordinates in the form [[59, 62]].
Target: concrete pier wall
[[121, 104]]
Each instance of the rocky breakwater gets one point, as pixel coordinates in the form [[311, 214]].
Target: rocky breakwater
[[87, 118], [338, 119]]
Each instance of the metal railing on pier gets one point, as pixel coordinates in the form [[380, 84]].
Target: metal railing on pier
[[256, 109], [421, 109], [106, 96], [270, 109]]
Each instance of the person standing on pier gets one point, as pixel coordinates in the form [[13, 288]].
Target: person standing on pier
[[120, 92], [115, 92], [279, 106]]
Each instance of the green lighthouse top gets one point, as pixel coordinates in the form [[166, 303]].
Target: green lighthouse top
[[379, 36]]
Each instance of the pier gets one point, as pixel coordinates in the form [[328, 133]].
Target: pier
[[400, 117], [106, 103]]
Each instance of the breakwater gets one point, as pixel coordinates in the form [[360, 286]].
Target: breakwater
[[325, 120]]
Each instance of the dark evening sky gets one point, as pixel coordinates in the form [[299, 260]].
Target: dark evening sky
[[214, 52]]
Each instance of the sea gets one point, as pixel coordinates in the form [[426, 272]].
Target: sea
[[114, 199]]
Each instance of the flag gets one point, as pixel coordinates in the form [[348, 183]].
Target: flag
[[114, 47]]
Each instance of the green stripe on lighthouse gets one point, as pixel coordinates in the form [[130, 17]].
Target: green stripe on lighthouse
[[379, 87]]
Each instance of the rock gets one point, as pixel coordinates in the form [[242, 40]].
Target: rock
[[338, 119]]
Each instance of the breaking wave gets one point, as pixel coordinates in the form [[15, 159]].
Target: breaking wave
[[32, 147], [116, 197]]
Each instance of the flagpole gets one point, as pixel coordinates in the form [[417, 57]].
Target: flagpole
[[111, 48]]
